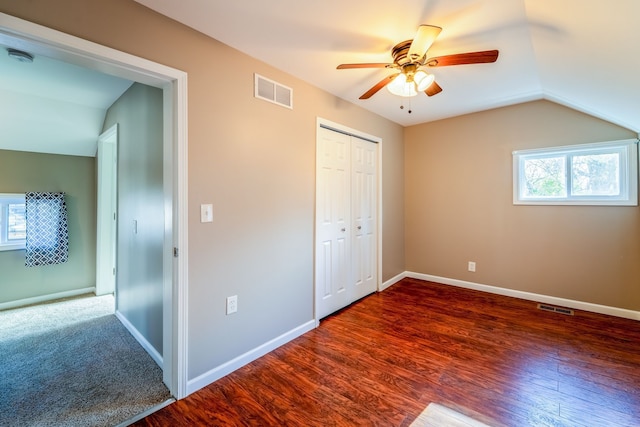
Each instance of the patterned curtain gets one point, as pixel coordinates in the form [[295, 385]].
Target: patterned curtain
[[47, 229]]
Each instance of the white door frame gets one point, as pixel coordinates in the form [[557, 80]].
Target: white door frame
[[41, 40], [106, 240], [320, 122]]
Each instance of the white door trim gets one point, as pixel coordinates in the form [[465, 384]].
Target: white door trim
[[106, 240], [41, 40], [321, 122]]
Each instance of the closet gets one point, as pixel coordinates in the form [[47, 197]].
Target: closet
[[346, 252]]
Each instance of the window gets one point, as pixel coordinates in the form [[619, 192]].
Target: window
[[13, 226], [589, 174]]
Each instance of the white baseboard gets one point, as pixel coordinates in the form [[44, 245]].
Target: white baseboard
[[45, 298], [578, 305], [226, 368], [392, 281], [157, 357]]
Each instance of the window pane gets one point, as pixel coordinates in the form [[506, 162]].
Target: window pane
[[604, 173], [545, 177], [17, 226], [596, 175]]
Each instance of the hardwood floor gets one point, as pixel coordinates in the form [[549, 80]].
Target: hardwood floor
[[382, 360]]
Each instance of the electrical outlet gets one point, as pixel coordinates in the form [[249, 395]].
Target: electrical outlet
[[472, 266], [232, 304]]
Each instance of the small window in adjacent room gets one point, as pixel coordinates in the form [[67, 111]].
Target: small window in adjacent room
[[589, 174], [13, 226]]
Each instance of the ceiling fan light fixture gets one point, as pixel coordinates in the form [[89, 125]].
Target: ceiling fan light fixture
[[401, 87], [407, 87], [423, 80], [409, 56]]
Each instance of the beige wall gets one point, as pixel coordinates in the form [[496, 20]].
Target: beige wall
[[21, 172], [254, 161], [458, 202]]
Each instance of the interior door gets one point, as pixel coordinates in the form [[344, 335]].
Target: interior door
[[107, 161], [332, 221], [363, 212], [346, 222]]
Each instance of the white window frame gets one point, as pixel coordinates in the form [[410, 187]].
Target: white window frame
[[628, 151], [5, 200]]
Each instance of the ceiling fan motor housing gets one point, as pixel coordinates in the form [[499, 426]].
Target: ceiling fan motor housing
[[400, 53]]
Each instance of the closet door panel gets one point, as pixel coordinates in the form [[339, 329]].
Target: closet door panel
[[364, 202], [333, 206]]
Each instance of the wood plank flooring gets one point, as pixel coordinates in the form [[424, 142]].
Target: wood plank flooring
[[382, 360]]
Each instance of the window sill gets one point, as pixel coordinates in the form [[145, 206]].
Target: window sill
[[12, 247], [574, 202]]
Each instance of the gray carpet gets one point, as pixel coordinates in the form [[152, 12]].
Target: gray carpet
[[72, 363]]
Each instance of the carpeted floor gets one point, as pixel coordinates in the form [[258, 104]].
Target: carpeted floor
[[72, 363]]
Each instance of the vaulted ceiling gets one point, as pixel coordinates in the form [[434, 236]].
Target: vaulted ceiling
[[51, 106], [580, 53]]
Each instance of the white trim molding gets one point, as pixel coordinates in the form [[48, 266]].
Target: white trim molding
[[155, 355], [44, 298], [392, 281], [248, 357], [578, 305]]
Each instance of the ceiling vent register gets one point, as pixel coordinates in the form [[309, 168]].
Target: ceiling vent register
[[274, 92]]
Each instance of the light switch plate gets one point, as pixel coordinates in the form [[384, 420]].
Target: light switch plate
[[206, 213]]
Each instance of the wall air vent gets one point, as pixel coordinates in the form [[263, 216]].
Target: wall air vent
[[562, 310], [271, 91]]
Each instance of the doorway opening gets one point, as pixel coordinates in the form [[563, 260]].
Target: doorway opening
[[51, 43]]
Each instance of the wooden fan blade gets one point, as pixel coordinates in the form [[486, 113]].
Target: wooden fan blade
[[423, 40], [365, 65], [433, 89], [382, 83], [484, 56]]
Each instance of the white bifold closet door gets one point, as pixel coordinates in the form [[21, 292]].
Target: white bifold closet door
[[346, 220]]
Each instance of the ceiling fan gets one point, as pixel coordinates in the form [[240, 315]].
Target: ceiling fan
[[410, 56]]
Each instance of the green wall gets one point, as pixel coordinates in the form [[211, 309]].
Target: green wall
[[139, 277], [21, 172]]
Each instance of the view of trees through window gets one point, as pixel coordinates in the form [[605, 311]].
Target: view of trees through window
[[545, 177], [601, 173], [596, 175], [591, 175]]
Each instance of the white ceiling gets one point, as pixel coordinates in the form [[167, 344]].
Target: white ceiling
[[50, 106], [580, 53]]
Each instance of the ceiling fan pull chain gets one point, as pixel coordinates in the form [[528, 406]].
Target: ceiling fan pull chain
[[402, 104]]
